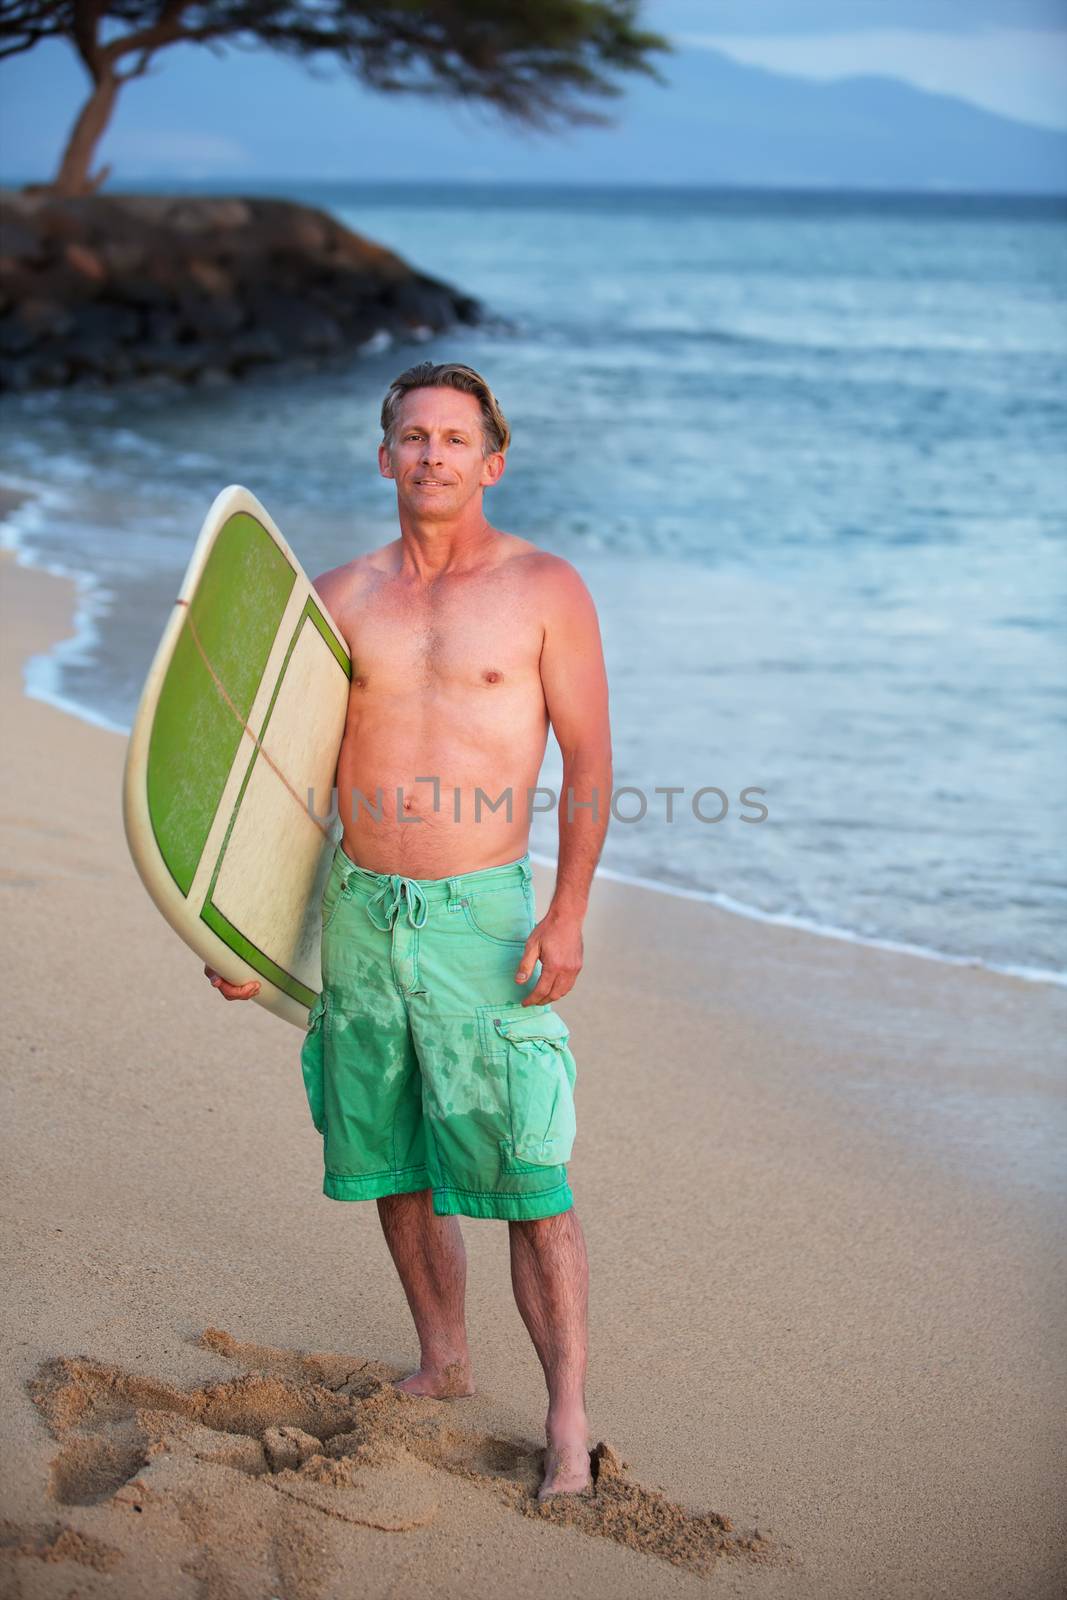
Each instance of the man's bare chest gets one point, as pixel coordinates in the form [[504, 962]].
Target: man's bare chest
[[481, 637]]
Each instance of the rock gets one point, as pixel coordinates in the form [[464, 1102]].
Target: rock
[[141, 290], [18, 240], [85, 261], [202, 216], [256, 346], [209, 277], [419, 301], [18, 281], [14, 375], [15, 336], [298, 326], [209, 317], [361, 252], [145, 208], [122, 257], [364, 331], [45, 317], [103, 319], [468, 310], [308, 234], [196, 288], [162, 326], [48, 371], [179, 361], [54, 225], [88, 354]]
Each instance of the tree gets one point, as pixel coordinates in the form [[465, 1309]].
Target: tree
[[533, 61]]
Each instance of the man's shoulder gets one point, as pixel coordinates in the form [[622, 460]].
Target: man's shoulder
[[346, 580], [539, 565], [552, 587]]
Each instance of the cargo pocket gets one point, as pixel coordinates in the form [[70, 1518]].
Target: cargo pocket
[[541, 1074], [312, 1062]]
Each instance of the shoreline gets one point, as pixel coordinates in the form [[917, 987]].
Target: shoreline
[[31, 501], [821, 1187]]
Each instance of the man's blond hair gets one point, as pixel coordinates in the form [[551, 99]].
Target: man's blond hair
[[496, 435]]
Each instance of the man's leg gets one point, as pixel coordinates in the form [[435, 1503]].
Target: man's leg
[[428, 1253], [550, 1276]]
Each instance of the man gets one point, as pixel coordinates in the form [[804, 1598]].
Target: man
[[436, 1070]]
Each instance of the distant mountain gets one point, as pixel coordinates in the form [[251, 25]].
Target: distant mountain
[[718, 122], [761, 127], [724, 122]]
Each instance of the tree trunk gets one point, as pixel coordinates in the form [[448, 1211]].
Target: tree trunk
[[73, 176]]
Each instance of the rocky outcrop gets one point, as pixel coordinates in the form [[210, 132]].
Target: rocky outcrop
[[117, 288]]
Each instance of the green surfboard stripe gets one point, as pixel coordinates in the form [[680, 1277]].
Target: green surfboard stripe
[[338, 651], [237, 608], [256, 958], [210, 913]]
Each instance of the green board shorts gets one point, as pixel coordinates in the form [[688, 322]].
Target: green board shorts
[[422, 1070]]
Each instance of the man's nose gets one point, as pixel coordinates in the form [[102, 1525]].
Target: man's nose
[[431, 453]]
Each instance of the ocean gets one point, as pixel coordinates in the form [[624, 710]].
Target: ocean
[[807, 452]]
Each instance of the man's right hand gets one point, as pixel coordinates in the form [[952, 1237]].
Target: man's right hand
[[231, 991]]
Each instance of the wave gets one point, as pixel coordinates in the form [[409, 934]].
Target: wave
[[858, 346], [825, 930], [43, 674]]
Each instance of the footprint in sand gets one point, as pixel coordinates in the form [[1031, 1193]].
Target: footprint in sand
[[57, 1543], [328, 1435]]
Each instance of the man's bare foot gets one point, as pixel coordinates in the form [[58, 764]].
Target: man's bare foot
[[452, 1381], [568, 1469]]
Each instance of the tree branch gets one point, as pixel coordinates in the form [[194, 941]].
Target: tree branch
[[36, 19], [535, 62], [19, 46], [84, 29]]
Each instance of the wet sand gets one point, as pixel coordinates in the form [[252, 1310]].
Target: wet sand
[[822, 1191]]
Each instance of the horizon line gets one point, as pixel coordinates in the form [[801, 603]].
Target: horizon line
[[243, 185]]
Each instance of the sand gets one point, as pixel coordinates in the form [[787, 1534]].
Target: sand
[[821, 1189]]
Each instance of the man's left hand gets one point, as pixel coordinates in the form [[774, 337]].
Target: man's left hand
[[557, 943]]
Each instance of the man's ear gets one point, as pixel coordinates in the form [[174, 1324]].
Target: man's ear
[[385, 466], [493, 469]]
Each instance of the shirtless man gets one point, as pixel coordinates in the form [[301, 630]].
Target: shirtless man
[[435, 1067]]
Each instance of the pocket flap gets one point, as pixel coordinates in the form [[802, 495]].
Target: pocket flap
[[531, 1022]]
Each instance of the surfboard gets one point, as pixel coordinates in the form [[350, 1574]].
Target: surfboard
[[232, 759]]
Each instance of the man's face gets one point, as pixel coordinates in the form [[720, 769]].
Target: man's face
[[436, 456]]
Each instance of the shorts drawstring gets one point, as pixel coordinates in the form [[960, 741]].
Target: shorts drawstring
[[394, 892]]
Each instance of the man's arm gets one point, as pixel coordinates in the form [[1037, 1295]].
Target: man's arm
[[333, 589], [576, 694]]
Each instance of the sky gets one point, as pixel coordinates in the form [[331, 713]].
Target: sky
[[198, 114], [1008, 56]]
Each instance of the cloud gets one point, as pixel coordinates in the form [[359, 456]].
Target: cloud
[[172, 152], [1019, 72]]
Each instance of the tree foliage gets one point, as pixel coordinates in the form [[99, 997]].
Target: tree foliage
[[536, 62]]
